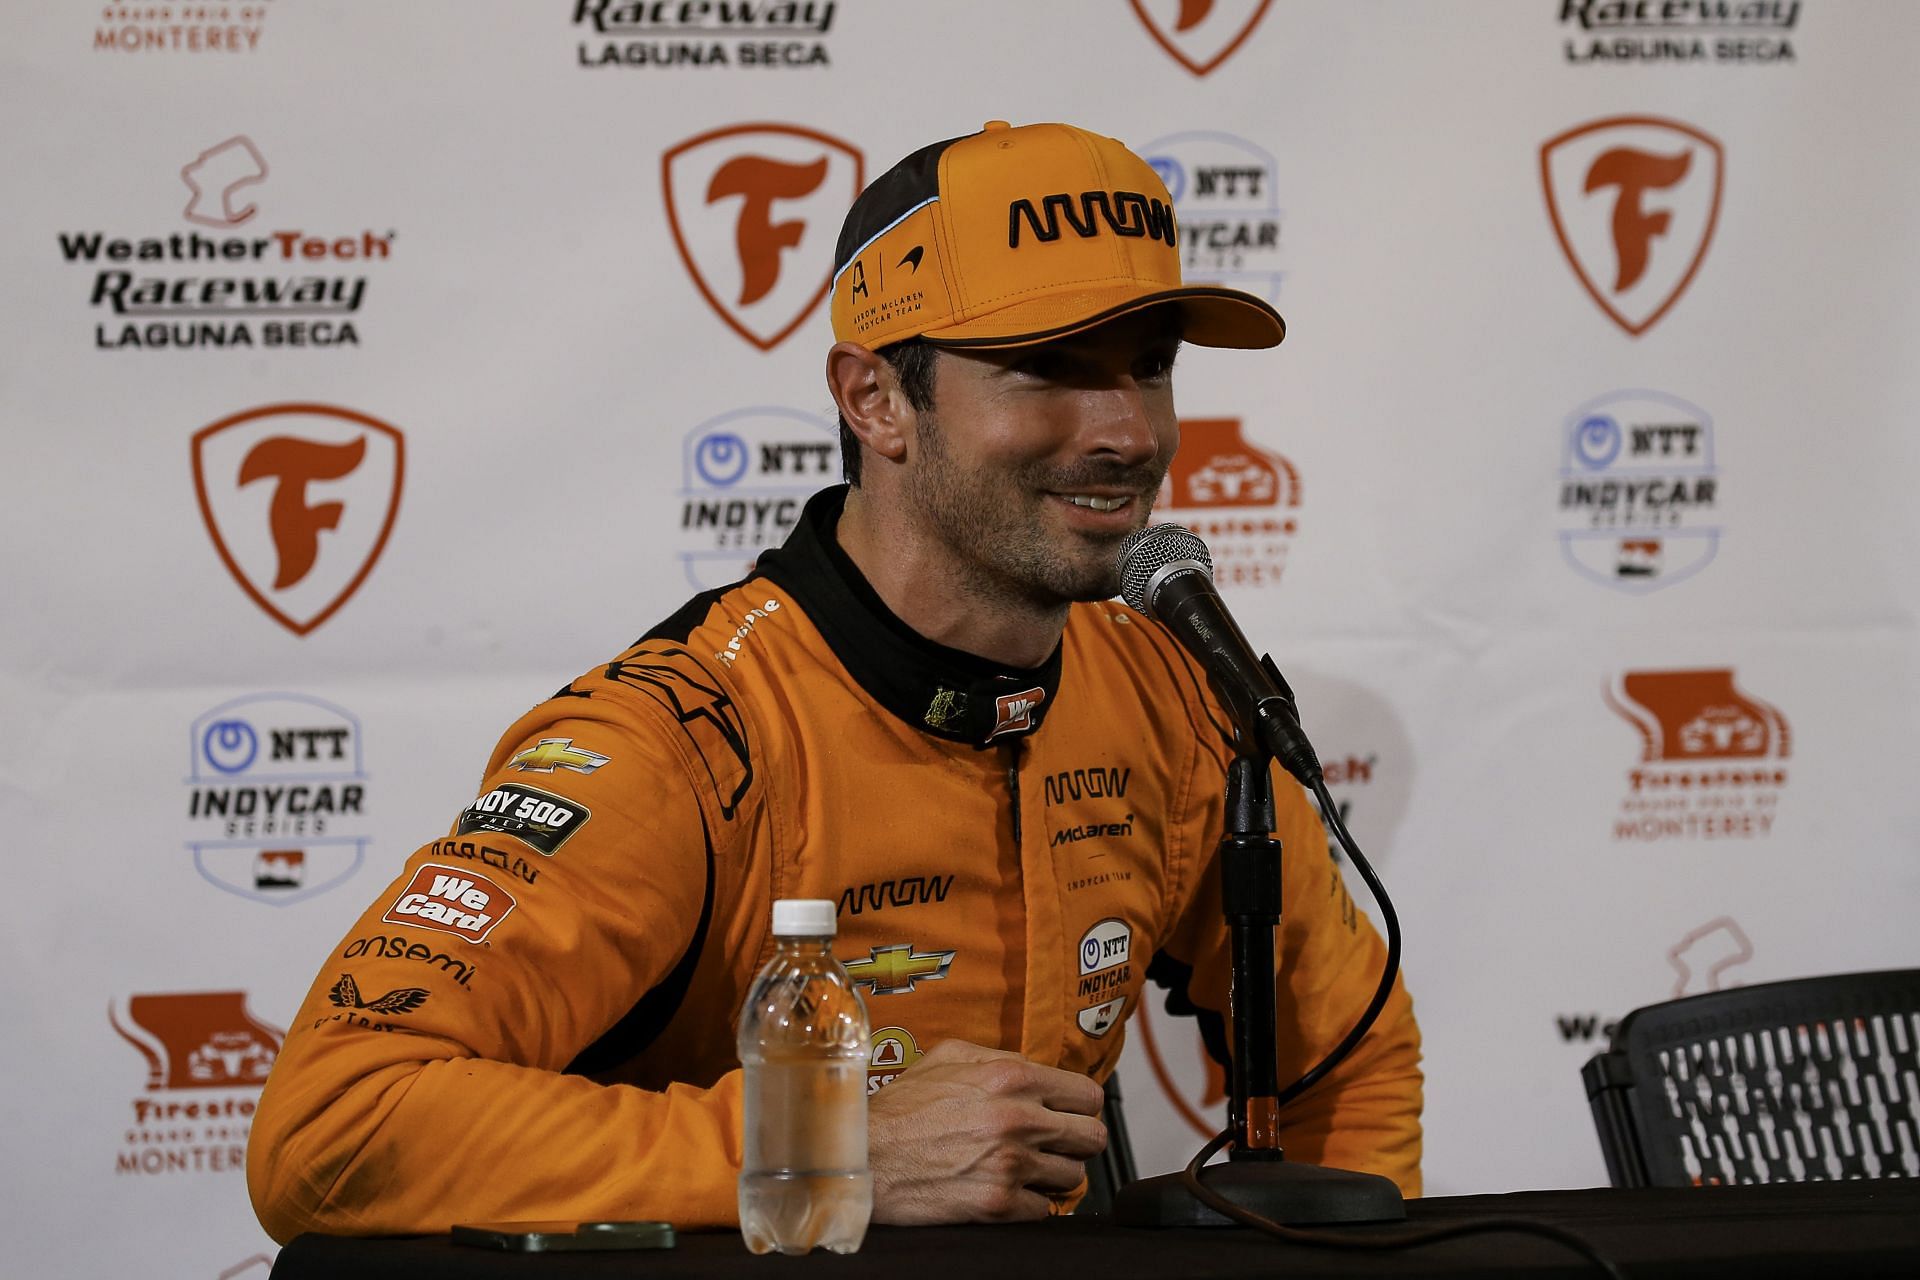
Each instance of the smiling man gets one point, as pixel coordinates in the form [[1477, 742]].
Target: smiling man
[[925, 707]]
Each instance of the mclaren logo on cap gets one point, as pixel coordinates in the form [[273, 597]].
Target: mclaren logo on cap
[[893, 970], [557, 753]]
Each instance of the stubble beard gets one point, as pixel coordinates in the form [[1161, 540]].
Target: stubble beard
[[995, 526]]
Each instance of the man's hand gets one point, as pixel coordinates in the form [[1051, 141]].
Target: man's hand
[[969, 1134]]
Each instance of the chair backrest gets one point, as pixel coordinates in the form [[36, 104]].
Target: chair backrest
[[1811, 1080]]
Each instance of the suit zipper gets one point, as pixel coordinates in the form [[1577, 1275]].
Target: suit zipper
[[1013, 786]]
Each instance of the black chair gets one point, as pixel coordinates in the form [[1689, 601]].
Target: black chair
[[1113, 1168], [1805, 1081]]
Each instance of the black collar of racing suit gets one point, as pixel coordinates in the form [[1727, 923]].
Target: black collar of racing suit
[[945, 692]]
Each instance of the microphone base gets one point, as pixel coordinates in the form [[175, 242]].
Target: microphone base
[[1295, 1195]]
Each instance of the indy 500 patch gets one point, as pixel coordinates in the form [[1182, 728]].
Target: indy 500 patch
[[540, 818]]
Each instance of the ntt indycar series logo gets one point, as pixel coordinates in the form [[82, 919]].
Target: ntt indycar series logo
[[228, 277], [744, 476], [276, 797], [1226, 200], [1639, 490]]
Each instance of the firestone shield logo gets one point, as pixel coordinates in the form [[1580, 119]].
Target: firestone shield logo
[[206, 1057], [276, 799], [1639, 490], [1712, 760], [1634, 201], [299, 500], [755, 210], [744, 476], [1226, 199], [1242, 500], [1200, 34]]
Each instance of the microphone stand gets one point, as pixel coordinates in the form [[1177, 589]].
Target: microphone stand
[[1257, 1175]]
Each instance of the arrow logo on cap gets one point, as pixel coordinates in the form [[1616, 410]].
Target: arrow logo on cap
[[913, 258]]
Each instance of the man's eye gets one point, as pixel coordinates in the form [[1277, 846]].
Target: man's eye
[[1155, 368], [1045, 365]]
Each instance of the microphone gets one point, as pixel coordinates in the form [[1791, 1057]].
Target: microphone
[[1166, 573]]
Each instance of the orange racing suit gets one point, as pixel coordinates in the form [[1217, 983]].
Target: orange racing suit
[[535, 1020]]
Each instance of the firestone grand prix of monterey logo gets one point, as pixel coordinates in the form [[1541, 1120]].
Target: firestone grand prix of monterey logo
[[755, 210], [1243, 501], [1634, 201], [299, 500], [1712, 762], [1200, 34], [206, 1059]]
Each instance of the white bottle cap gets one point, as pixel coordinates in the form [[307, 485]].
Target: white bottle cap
[[803, 918]]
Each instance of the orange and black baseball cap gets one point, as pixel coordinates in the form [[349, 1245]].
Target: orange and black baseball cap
[[1013, 236]]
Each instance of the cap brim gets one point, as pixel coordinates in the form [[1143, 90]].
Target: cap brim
[[1214, 317]]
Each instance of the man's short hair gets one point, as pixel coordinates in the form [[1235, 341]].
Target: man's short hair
[[912, 360]]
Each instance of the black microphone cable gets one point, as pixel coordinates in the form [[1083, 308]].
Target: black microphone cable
[[1327, 1239]]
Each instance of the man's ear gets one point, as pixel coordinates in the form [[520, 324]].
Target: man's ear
[[870, 399]]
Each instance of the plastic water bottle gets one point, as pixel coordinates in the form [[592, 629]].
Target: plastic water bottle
[[804, 1182]]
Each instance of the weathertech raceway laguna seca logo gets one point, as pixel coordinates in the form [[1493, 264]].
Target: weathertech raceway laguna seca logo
[[1200, 34], [754, 210], [1634, 201], [1712, 757], [299, 500]]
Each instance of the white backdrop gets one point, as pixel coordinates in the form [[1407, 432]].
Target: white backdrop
[[1576, 504]]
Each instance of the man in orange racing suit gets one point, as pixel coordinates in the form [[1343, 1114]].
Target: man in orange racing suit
[[923, 706]]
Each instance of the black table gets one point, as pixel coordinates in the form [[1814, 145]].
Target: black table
[[1798, 1231]]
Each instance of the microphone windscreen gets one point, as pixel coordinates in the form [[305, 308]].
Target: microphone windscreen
[[1147, 551]]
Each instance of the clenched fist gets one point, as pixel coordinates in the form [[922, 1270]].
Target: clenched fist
[[969, 1134]]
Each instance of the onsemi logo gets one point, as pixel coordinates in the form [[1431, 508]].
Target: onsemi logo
[[299, 500], [226, 281], [894, 970], [167, 28], [463, 903], [1242, 500], [276, 801], [1711, 756], [1634, 201], [206, 1059], [1200, 34], [744, 476], [1639, 490], [754, 210], [692, 33], [216, 178], [1226, 198], [1013, 712]]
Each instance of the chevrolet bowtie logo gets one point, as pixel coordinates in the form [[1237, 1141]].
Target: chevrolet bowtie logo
[[893, 970], [557, 753]]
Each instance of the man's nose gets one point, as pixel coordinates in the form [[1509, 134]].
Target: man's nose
[[1122, 425]]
